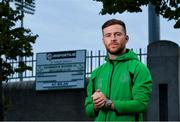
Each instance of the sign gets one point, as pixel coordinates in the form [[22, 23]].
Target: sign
[[60, 70]]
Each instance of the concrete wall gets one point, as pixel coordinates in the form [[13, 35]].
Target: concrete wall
[[28, 104], [163, 65]]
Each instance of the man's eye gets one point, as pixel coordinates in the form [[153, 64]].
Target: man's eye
[[118, 34], [107, 35]]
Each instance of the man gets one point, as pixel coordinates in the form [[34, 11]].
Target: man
[[120, 89]]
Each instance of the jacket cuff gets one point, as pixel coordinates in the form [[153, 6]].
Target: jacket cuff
[[118, 106], [90, 110]]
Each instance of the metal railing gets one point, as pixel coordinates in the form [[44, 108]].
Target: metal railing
[[93, 60]]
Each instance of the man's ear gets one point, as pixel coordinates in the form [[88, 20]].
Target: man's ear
[[103, 40], [127, 38]]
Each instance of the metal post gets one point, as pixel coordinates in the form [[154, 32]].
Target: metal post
[[154, 24], [21, 58], [22, 12]]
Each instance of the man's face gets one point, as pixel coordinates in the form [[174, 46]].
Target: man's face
[[115, 39]]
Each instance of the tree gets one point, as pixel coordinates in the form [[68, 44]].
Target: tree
[[14, 41], [169, 9]]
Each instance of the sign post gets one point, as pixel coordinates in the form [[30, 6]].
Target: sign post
[[61, 70]]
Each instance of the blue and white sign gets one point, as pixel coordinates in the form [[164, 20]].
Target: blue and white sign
[[60, 70]]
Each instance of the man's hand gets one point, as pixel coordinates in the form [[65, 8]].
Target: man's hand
[[99, 99]]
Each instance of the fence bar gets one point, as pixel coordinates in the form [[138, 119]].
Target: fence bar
[[20, 73], [99, 58], [32, 64], [91, 56], [140, 54], [26, 64]]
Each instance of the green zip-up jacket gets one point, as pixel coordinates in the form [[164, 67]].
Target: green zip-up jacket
[[125, 81]]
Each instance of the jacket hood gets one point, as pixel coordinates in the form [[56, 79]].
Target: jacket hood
[[129, 55]]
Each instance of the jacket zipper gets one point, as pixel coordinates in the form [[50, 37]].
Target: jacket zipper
[[109, 94]]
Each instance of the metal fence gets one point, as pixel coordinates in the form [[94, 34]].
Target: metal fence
[[93, 60]]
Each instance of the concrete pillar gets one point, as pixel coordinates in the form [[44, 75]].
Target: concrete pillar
[[153, 24], [163, 64]]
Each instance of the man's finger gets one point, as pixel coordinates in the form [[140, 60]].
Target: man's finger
[[99, 100], [100, 103], [95, 98]]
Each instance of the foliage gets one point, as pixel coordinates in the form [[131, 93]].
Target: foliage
[[169, 9], [14, 41]]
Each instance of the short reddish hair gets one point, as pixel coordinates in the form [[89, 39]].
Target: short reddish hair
[[114, 22]]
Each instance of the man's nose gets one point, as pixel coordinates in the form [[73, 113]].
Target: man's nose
[[113, 37]]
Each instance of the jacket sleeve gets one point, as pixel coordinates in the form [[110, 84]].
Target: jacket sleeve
[[89, 105], [141, 92]]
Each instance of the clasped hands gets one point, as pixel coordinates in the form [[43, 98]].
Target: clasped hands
[[99, 99]]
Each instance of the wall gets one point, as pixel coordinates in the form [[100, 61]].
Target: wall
[[28, 104]]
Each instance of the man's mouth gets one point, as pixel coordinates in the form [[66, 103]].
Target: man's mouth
[[113, 44]]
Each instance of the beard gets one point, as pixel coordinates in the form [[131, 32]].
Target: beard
[[119, 50]]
